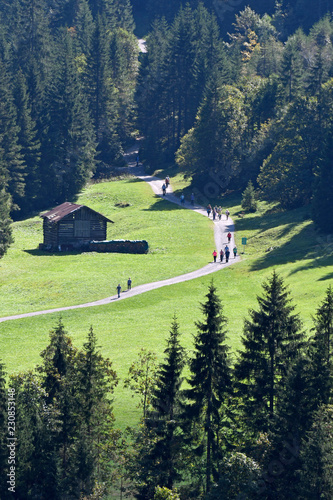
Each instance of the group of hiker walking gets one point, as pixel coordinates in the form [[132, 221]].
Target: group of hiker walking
[[165, 186], [225, 253], [216, 212]]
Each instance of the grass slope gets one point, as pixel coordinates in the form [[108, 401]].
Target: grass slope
[[285, 241]]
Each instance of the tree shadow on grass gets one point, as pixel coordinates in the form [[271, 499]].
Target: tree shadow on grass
[[305, 245], [162, 204]]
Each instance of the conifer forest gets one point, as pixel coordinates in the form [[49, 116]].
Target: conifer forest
[[242, 92]]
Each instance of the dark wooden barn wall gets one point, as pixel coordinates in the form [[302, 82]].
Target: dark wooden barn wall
[[80, 226]]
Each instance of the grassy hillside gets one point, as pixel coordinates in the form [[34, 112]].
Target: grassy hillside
[[285, 241], [180, 241]]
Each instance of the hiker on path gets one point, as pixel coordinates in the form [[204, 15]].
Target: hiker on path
[[129, 284], [235, 252], [215, 255], [209, 209], [229, 237], [118, 290], [192, 199], [167, 181], [227, 213], [219, 212], [227, 253], [221, 255], [164, 189], [214, 213], [182, 199]]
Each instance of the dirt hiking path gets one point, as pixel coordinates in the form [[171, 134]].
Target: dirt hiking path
[[221, 229]]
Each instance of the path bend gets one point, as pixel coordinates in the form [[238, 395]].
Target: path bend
[[221, 229]]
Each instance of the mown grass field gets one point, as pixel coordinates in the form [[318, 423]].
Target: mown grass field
[[180, 241]]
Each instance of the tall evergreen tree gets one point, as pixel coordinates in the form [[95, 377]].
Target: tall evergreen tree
[[271, 339], [102, 95], [68, 146], [158, 453], [210, 384], [164, 419], [5, 205], [316, 479], [58, 380], [96, 380], [321, 351], [11, 149], [30, 145], [292, 65], [322, 197]]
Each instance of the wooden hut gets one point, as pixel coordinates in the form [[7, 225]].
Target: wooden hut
[[71, 226]]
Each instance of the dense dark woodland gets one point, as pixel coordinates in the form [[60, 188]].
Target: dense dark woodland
[[231, 92]]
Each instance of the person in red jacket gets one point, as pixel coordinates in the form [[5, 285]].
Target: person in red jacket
[[229, 237], [215, 255]]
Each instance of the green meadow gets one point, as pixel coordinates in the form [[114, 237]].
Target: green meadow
[[180, 241]]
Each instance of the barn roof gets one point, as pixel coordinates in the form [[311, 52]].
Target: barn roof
[[59, 212]]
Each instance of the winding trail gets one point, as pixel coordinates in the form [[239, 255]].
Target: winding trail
[[221, 229]]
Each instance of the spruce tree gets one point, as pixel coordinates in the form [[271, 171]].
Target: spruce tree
[[30, 145], [249, 202], [58, 380], [315, 474], [102, 95], [271, 340], [323, 198], [292, 67], [321, 351], [96, 380], [210, 384], [68, 145], [160, 464], [10, 147], [5, 221]]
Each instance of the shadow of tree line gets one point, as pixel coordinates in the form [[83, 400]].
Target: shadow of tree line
[[305, 245]]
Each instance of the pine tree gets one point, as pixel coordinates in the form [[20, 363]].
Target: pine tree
[[321, 352], [68, 146], [323, 197], [102, 95], [157, 447], [96, 381], [58, 380], [161, 463], [10, 148], [210, 384], [316, 480], [249, 202], [30, 145], [292, 67], [5, 204], [84, 28], [271, 340]]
